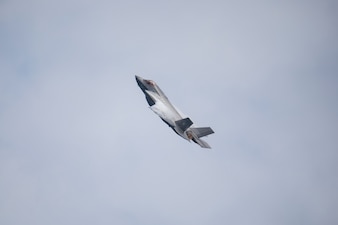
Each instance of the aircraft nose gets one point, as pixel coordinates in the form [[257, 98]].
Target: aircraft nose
[[138, 78], [140, 83]]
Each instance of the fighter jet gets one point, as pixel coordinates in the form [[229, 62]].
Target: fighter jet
[[171, 115]]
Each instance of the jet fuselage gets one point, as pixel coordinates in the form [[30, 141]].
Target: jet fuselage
[[160, 104]]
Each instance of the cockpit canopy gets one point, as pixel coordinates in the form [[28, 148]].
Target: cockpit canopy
[[150, 82]]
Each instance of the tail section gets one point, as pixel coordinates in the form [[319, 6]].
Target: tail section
[[195, 134], [184, 124], [202, 131], [201, 143]]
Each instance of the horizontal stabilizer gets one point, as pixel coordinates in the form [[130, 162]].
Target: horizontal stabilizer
[[184, 124], [202, 131]]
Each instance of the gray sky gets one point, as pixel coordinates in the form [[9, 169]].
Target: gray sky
[[78, 144]]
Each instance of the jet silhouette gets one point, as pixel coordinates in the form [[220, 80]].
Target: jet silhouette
[[171, 115]]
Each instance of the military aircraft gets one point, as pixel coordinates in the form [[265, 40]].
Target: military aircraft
[[171, 115]]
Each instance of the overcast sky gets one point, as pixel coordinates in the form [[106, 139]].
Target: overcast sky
[[79, 145]]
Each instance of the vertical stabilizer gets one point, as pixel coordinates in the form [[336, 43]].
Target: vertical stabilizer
[[184, 124], [193, 136], [202, 143]]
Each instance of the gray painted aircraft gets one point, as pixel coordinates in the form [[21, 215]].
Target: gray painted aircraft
[[160, 104]]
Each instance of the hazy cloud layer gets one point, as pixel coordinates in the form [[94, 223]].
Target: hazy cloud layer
[[78, 144]]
